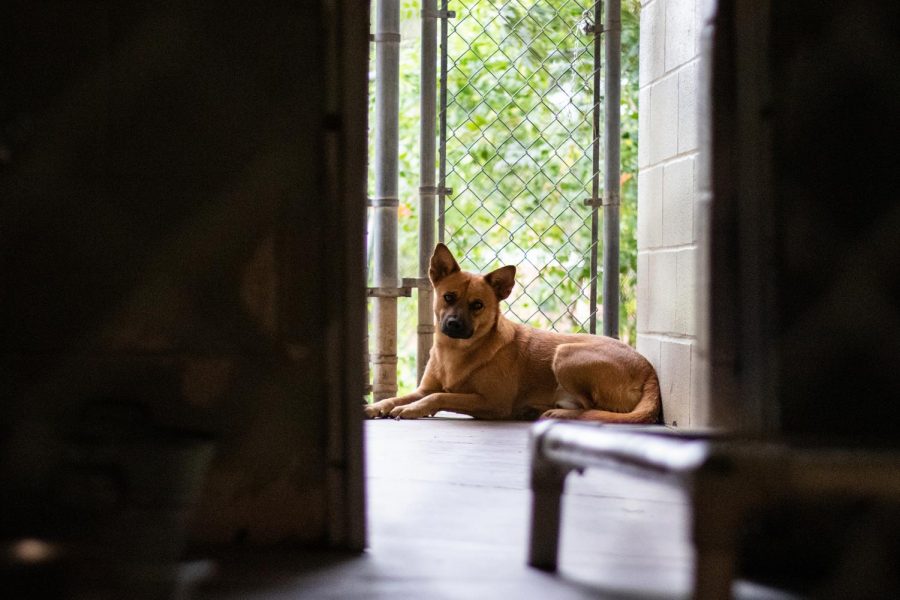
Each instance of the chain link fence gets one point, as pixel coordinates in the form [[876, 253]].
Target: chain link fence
[[522, 106], [519, 152]]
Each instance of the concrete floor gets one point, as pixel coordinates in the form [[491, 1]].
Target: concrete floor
[[448, 513], [455, 493]]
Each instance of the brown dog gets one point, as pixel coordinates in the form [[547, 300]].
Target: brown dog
[[488, 367]]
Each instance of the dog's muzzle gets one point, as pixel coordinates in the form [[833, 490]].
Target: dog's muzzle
[[456, 328]]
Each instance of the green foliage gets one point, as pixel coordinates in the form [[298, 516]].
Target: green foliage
[[520, 82]]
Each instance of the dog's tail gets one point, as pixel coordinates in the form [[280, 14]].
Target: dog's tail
[[647, 411]]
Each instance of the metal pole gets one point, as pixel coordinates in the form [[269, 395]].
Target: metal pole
[[595, 173], [386, 201], [427, 189], [613, 92], [442, 164], [366, 358]]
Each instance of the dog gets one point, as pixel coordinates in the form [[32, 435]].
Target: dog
[[484, 365]]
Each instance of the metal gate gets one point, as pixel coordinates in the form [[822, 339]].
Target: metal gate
[[518, 115]]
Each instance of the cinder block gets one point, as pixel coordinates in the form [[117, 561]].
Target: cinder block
[[675, 381], [681, 35], [687, 107], [643, 292], [653, 42], [644, 109], [650, 208], [649, 347], [686, 291], [663, 290], [662, 134], [678, 202]]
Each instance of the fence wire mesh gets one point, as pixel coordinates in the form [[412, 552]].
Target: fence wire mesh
[[519, 143]]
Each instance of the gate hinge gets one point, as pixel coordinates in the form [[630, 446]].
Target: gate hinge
[[383, 202], [438, 14], [388, 292], [613, 200], [431, 190], [417, 282], [384, 37]]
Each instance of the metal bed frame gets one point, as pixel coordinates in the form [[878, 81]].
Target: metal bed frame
[[726, 478]]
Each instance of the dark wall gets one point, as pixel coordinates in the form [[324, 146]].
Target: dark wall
[[171, 245], [806, 223], [836, 179], [805, 256]]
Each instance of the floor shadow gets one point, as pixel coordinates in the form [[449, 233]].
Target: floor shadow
[[271, 573]]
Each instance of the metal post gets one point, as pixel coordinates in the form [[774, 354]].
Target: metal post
[[442, 164], [367, 389], [613, 92], [386, 201], [427, 189], [593, 202]]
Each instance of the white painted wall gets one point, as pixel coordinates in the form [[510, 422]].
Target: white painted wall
[[670, 208]]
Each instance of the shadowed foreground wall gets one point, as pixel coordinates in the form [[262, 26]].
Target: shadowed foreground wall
[[805, 257], [181, 188]]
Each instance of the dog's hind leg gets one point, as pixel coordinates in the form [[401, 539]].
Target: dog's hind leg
[[603, 416], [645, 412], [603, 388]]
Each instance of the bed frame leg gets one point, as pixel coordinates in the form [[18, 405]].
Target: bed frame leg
[[547, 485]]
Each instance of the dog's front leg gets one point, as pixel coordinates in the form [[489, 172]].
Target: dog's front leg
[[468, 404], [383, 408], [430, 383]]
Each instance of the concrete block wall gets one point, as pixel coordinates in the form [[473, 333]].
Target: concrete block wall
[[669, 205]]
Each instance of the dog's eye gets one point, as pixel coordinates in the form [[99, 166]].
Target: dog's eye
[[477, 305], [449, 298]]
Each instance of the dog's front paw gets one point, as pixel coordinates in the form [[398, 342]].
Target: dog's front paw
[[416, 410], [378, 409]]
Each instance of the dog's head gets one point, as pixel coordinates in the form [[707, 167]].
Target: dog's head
[[466, 305]]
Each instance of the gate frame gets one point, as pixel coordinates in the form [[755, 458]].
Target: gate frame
[[387, 284]]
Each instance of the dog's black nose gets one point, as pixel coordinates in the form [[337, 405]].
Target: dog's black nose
[[455, 327]]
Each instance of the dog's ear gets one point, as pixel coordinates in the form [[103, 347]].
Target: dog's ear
[[502, 280], [442, 264]]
